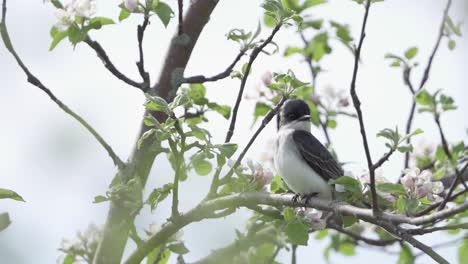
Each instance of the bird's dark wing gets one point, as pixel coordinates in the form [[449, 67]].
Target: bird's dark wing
[[316, 155]]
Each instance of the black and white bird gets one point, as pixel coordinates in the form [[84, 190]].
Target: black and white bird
[[300, 159]]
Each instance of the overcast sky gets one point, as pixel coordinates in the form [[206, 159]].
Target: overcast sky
[[58, 168]]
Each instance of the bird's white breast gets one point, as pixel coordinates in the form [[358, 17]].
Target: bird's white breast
[[294, 170]]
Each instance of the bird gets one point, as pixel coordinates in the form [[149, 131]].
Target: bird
[[305, 164]]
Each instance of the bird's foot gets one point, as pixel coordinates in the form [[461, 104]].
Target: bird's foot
[[295, 198], [309, 196]]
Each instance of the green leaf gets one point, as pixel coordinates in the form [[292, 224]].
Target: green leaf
[[69, 259], [261, 109], [57, 37], [197, 93], [276, 185], [269, 21], [292, 50], [224, 110], [202, 167], [9, 194], [331, 124], [145, 135], [156, 103], [347, 249], [297, 232], [100, 199], [406, 256], [102, 20], [4, 221], [349, 220], [76, 35], [164, 12], [288, 214], [411, 53], [227, 149], [57, 3], [424, 98], [463, 252], [321, 234], [350, 184], [178, 248], [405, 148], [452, 44], [391, 188], [310, 3], [124, 14], [180, 100], [158, 195]]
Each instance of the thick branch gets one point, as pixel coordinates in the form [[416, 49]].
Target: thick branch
[[357, 105], [253, 56], [119, 218], [206, 208], [109, 65], [222, 75], [36, 82]]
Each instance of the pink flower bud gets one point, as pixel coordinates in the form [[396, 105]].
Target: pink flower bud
[[131, 4], [344, 102], [267, 78]]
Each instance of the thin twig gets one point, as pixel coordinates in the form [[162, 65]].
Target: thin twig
[[425, 77], [293, 254], [357, 105], [253, 56], [265, 122], [445, 147], [109, 65], [222, 75], [423, 231], [141, 63], [358, 237], [36, 82], [382, 160]]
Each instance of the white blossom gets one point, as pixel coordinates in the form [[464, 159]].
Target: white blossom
[[66, 18], [263, 176], [419, 184], [314, 218], [84, 8], [131, 4]]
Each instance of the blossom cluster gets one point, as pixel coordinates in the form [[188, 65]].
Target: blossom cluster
[[261, 175], [420, 185], [82, 247], [69, 14]]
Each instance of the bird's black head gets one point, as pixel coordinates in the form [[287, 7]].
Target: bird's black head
[[294, 110]]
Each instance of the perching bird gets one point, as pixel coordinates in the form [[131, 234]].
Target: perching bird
[[300, 159]]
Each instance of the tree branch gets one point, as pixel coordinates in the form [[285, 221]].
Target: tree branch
[[265, 122], [117, 226], [207, 207], [382, 160], [36, 82], [180, 5], [141, 63], [109, 65], [423, 231], [253, 56], [425, 77], [358, 237], [357, 105], [222, 75]]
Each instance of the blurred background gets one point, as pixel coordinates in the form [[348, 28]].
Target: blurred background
[[58, 168]]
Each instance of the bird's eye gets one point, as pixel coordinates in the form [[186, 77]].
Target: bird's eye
[[291, 116]]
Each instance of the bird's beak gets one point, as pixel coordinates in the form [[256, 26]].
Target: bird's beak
[[304, 118]]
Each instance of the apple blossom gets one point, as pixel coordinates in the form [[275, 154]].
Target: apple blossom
[[66, 18], [84, 8], [419, 184], [131, 4]]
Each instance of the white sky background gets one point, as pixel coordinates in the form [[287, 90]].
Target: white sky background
[[58, 168]]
